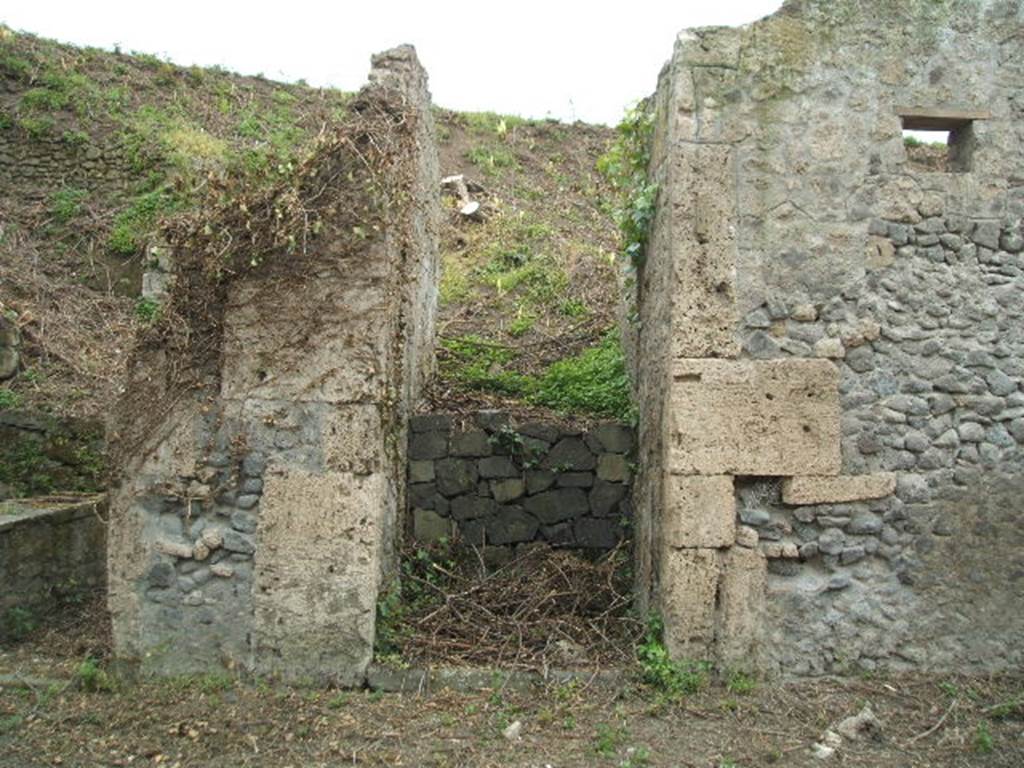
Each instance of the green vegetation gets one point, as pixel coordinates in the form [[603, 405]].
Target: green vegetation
[[740, 683], [491, 122], [19, 622], [66, 203], [36, 127], [607, 739], [625, 166], [92, 678], [538, 278], [668, 678], [147, 310], [984, 744], [594, 381], [9, 398], [491, 159], [912, 142], [480, 364], [1007, 709], [135, 222], [26, 469], [422, 576]]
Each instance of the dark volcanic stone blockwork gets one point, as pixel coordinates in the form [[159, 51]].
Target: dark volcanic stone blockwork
[[497, 484]]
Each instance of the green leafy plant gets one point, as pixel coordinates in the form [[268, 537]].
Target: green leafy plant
[[424, 572], [135, 222], [66, 203], [147, 310], [670, 678], [984, 744], [636, 757], [480, 364], [491, 159], [36, 127], [92, 678], [740, 683], [625, 166], [607, 739], [594, 381], [9, 398], [491, 122]]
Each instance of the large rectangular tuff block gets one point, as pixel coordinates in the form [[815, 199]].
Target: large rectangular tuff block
[[837, 490], [753, 417], [699, 511], [743, 584], [317, 574], [688, 585]]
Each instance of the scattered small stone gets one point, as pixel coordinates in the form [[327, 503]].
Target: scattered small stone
[[512, 732], [826, 748], [746, 537], [177, 549], [863, 725]]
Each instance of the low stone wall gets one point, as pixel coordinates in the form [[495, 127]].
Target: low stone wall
[[497, 484], [42, 454], [51, 551]]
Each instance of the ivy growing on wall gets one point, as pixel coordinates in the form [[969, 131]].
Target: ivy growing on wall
[[625, 166]]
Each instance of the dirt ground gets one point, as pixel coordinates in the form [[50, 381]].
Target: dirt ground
[[50, 717]]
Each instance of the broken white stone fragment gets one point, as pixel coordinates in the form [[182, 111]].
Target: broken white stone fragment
[[223, 570], [863, 725]]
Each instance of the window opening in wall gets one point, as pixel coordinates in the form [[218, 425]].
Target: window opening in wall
[[939, 140], [927, 150]]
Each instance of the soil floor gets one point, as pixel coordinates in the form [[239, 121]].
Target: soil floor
[[220, 721]]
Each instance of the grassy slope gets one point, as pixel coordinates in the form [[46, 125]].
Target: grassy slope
[[534, 283], [530, 285], [71, 256]]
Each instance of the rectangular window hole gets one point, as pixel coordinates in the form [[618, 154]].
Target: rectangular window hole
[[938, 140]]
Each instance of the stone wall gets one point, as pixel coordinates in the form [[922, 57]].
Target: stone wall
[[52, 552], [840, 465], [41, 454], [257, 521], [496, 484], [39, 166]]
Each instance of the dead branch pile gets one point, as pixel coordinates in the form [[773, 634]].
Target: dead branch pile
[[548, 608]]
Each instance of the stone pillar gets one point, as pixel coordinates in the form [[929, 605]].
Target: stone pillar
[[254, 528]]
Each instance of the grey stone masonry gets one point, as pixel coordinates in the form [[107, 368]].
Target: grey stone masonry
[[830, 347], [490, 482], [52, 551]]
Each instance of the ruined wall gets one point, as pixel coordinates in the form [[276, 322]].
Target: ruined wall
[[254, 527], [497, 484], [42, 454], [842, 446], [52, 553]]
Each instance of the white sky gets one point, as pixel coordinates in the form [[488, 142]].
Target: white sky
[[568, 60]]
